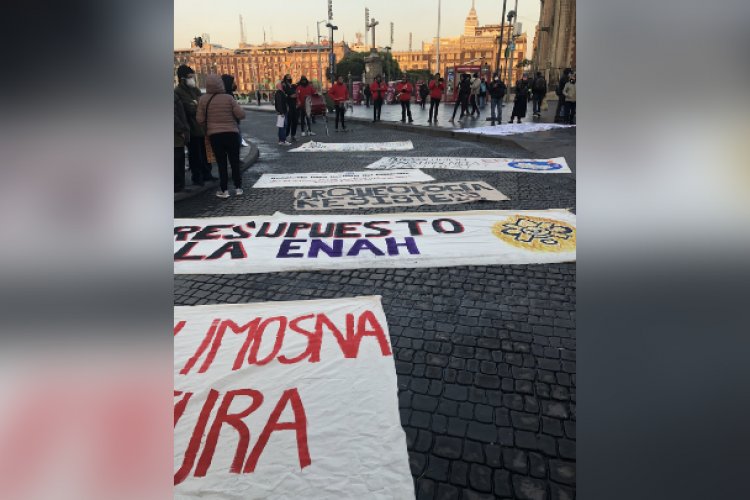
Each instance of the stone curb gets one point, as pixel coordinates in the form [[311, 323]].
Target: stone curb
[[246, 163]]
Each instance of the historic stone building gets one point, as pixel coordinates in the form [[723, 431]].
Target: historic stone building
[[555, 40], [477, 46], [259, 66]]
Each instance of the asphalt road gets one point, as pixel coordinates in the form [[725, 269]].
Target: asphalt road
[[485, 355]]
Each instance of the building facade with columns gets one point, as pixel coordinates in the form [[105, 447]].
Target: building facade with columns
[[259, 67], [478, 45], [555, 40]]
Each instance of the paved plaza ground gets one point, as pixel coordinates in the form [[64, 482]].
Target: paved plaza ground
[[485, 355]]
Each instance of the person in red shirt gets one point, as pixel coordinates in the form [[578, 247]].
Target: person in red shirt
[[437, 87], [378, 88], [339, 94], [304, 90], [405, 90]]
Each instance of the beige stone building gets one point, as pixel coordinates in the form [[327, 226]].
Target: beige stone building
[[477, 45], [555, 40]]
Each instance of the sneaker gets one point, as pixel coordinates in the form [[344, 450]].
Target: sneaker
[[287, 143], [222, 194], [411, 121], [304, 134], [311, 133], [282, 143], [238, 191]]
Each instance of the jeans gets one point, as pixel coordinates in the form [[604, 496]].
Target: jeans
[[482, 100], [291, 122], [570, 112], [367, 101], [198, 160], [496, 103], [405, 109], [560, 111], [434, 105], [179, 168], [378, 108], [340, 111], [463, 102], [424, 102], [538, 103], [282, 131], [226, 146]]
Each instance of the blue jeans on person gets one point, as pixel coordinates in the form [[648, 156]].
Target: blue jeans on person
[[496, 103], [538, 103], [282, 131]]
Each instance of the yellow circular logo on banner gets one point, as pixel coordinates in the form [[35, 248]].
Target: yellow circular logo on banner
[[536, 233]]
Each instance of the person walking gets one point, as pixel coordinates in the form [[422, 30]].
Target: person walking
[[367, 92], [436, 87], [560, 111], [257, 95], [291, 107], [464, 93], [304, 91], [424, 91], [339, 94], [219, 113], [378, 89], [476, 85], [482, 93], [497, 90], [569, 91], [281, 106], [523, 94], [181, 138], [538, 92], [188, 93], [404, 90]]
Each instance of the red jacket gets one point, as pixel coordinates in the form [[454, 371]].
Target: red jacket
[[338, 92], [436, 89], [405, 90], [378, 91], [302, 92]]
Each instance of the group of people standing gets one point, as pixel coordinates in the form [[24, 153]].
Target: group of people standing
[[290, 102], [208, 124]]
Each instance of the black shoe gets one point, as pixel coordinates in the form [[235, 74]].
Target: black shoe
[[411, 121]]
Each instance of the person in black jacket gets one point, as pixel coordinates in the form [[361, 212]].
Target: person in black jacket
[[497, 90], [280, 102], [560, 111], [424, 91], [464, 91], [523, 94], [188, 93], [292, 119], [538, 92]]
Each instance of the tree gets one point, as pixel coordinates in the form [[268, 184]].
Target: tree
[[353, 63], [390, 66]]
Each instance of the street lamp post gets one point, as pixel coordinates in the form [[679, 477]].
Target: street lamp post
[[437, 47], [500, 41], [320, 66], [330, 41]]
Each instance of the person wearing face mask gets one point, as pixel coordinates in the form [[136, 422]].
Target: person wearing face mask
[[497, 90], [523, 94], [569, 91], [188, 94], [378, 88], [405, 90], [291, 105], [304, 91], [339, 94]]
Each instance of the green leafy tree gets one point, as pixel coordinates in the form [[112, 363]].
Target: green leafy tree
[[353, 63]]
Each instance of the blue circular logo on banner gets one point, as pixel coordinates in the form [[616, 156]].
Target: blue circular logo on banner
[[535, 165]]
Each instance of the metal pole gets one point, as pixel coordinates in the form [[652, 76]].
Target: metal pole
[[438, 37], [320, 68], [500, 43], [511, 40]]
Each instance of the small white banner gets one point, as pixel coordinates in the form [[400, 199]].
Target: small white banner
[[512, 129], [287, 400], [394, 195], [353, 146], [340, 178], [541, 166], [236, 245]]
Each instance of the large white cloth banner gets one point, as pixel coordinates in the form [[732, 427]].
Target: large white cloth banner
[[229, 245], [313, 146], [287, 400], [538, 166], [512, 129], [304, 179]]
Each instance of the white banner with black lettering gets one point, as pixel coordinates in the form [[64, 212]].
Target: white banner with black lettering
[[333, 147], [235, 245], [540, 166], [340, 178], [287, 400]]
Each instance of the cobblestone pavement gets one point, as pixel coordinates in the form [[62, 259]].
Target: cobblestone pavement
[[485, 355]]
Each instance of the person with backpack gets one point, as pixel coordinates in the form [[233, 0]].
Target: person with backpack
[[219, 113], [304, 91], [559, 112], [404, 90], [569, 91], [424, 91], [497, 91], [436, 87], [339, 94], [464, 91], [482, 93], [523, 94], [281, 106], [188, 93], [378, 89], [538, 91]]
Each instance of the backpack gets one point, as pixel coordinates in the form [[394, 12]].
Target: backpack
[[540, 85]]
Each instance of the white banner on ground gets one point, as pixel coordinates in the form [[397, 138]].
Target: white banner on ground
[[512, 129], [235, 245], [353, 146], [541, 165], [287, 400], [340, 178], [394, 195]]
